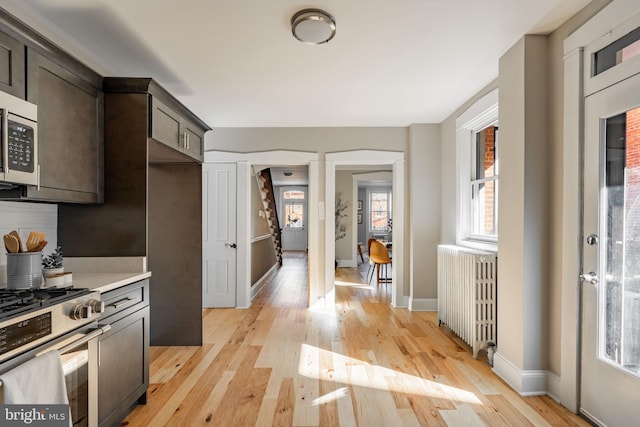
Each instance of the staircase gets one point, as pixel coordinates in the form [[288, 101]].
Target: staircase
[[269, 202]]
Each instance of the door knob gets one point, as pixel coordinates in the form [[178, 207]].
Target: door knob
[[231, 245], [592, 240], [590, 277]]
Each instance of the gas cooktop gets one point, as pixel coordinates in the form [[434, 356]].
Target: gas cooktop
[[18, 301]]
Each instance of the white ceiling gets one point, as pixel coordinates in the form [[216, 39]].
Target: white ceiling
[[236, 64], [299, 175]]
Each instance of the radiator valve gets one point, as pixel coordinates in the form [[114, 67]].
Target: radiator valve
[[490, 348]]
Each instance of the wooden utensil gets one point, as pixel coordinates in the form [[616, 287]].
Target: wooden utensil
[[21, 246], [40, 246], [11, 243], [34, 240]]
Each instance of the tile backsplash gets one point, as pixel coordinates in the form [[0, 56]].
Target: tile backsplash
[[25, 217]]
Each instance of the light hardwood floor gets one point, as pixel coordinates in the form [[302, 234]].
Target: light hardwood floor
[[360, 363]]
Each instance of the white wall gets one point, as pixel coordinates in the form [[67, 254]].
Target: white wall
[[424, 213], [344, 246], [523, 204], [362, 228]]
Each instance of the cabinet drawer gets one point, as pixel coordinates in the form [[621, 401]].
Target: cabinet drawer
[[118, 300]]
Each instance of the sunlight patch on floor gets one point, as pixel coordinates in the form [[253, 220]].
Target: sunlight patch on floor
[[325, 306], [330, 397], [363, 374], [355, 284]]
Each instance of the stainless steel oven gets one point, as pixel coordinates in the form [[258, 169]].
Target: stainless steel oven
[[66, 324], [80, 367]]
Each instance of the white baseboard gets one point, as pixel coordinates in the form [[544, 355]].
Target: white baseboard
[[423, 304], [527, 383], [347, 263], [554, 386], [266, 278]]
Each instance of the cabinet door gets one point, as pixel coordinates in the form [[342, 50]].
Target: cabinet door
[[195, 143], [165, 125], [70, 133], [12, 74], [123, 367]]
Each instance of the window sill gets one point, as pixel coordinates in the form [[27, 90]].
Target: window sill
[[483, 245]]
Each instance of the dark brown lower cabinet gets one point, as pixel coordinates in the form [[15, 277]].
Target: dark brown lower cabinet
[[123, 357]]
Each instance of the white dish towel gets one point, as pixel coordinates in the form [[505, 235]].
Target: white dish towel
[[39, 381]]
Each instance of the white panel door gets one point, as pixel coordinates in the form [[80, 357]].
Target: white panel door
[[610, 377], [219, 235], [294, 218]]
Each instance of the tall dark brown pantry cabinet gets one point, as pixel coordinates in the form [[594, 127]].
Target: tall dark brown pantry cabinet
[[152, 206]]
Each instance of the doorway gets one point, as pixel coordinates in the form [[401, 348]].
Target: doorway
[[395, 160], [245, 163]]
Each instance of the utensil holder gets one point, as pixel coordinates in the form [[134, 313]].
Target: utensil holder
[[24, 270]]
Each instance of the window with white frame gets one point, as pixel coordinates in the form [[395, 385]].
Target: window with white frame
[[478, 173], [484, 184], [379, 211]]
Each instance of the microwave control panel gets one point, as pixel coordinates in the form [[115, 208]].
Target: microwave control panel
[[21, 140]]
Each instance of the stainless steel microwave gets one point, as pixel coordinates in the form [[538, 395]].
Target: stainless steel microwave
[[19, 148]]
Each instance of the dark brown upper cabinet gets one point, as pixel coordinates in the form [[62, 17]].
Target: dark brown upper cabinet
[[70, 132], [12, 73], [70, 115], [171, 124], [174, 130]]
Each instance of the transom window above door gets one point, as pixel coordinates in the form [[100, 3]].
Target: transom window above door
[[622, 50], [293, 195]]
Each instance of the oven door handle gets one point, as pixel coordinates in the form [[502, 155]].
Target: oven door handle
[[85, 339]]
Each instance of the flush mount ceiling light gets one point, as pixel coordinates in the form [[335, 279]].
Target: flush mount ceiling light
[[313, 26]]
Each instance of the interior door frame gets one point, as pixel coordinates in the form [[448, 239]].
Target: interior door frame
[[244, 162], [369, 157], [364, 176], [606, 25]]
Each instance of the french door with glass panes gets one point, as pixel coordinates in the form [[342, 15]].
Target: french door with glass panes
[[610, 354]]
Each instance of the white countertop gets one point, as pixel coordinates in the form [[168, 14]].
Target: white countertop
[[104, 282], [101, 274]]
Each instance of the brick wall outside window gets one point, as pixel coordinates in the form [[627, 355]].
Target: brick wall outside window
[[489, 159], [632, 168]]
